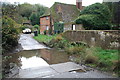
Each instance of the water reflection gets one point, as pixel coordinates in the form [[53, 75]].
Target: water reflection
[[38, 58], [33, 62], [54, 56]]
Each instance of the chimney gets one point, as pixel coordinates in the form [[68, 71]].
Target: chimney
[[79, 4]]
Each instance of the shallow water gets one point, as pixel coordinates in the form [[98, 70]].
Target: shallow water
[[45, 57], [38, 58]]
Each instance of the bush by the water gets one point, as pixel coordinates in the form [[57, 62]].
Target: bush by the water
[[9, 34]]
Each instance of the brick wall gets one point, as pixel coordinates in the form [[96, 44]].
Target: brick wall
[[44, 22], [79, 4], [109, 39]]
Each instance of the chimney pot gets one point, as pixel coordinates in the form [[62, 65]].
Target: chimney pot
[[79, 4]]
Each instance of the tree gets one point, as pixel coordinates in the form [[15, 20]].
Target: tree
[[96, 16], [25, 10], [38, 11], [9, 34], [114, 8], [12, 11], [34, 19]]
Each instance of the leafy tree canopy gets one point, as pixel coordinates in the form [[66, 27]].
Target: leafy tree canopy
[[39, 10], [96, 16]]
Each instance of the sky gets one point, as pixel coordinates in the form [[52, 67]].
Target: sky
[[49, 3]]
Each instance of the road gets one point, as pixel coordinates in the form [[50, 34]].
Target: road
[[28, 43]]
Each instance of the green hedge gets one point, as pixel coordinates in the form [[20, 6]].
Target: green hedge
[[96, 17]]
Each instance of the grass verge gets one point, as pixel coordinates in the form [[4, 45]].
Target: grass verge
[[44, 38]]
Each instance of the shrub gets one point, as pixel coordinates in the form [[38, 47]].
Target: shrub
[[96, 17], [58, 42], [90, 59], [9, 34], [36, 26], [75, 50], [45, 32]]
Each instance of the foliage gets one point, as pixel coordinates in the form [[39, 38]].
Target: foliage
[[37, 27], [34, 19], [106, 57], [93, 22], [58, 42], [96, 16], [9, 34], [25, 10], [44, 38], [38, 11], [115, 10], [12, 11], [45, 32], [58, 27]]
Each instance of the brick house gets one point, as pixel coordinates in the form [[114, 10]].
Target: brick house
[[45, 23], [60, 12]]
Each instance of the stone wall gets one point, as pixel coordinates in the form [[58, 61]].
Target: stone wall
[[106, 39]]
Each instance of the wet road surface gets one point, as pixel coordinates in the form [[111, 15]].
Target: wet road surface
[[28, 43]]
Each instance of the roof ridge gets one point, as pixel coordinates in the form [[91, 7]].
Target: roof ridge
[[63, 3]]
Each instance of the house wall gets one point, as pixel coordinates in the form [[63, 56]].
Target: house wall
[[69, 27], [109, 39], [44, 23]]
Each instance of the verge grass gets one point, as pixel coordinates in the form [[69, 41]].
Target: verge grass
[[44, 38]]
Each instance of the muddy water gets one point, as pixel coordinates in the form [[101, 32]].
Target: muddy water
[[38, 58]]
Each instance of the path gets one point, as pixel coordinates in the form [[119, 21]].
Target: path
[[28, 43]]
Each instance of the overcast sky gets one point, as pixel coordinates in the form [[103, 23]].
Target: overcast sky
[[49, 3]]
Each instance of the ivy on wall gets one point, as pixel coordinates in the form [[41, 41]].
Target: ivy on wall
[[58, 27]]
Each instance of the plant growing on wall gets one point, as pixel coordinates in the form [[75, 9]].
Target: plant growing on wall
[[58, 27]]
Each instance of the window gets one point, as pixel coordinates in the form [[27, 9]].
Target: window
[[47, 27], [47, 18], [73, 27]]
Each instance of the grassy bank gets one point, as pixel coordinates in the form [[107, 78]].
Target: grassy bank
[[44, 38], [106, 60]]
